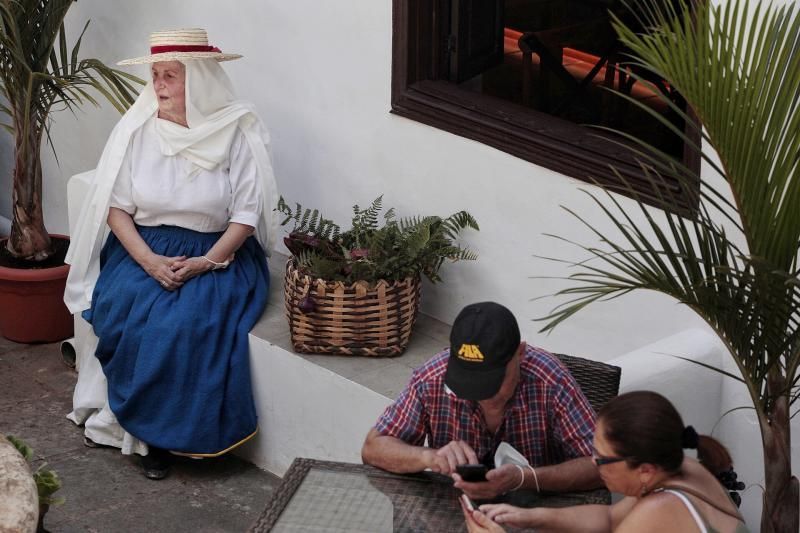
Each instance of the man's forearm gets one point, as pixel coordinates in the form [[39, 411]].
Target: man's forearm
[[575, 474], [393, 454]]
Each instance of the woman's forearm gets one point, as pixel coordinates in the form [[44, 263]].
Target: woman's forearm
[[121, 223], [222, 251], [230, 241], [585, 518]]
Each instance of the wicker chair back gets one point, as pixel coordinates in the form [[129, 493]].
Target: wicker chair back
[[598, 381]]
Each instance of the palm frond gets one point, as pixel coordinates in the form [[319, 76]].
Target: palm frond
[[38, 71], [734, 259], [745, 93], [39, 74]]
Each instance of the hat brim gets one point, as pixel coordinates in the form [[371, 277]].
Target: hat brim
[[474, 385], [179, 56]]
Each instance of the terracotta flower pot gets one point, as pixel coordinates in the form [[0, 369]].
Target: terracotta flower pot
[[32, 304]]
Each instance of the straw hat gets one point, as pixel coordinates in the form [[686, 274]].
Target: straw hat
[[171, 45]]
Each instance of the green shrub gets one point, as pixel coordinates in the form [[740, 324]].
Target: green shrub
[[47, 481]]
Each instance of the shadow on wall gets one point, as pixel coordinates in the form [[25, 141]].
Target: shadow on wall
[[5, 226]]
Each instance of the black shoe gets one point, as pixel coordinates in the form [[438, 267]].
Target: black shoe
[[156, 463], [89, 443]]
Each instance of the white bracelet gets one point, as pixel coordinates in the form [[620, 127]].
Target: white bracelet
[[535, 478], [521, 478], [218, 266]]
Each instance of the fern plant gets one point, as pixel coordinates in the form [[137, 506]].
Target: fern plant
[[398, 249]]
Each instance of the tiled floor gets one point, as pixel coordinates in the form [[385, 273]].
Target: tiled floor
[[104, 490]]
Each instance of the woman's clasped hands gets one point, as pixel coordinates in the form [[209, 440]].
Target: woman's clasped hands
[[186, 269], [172, 272], [162, 269]]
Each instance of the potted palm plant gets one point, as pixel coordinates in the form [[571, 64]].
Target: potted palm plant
[[39, 71], [734, 259], [356, 292]]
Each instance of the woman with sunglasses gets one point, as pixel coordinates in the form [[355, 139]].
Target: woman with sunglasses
[[638, 450]]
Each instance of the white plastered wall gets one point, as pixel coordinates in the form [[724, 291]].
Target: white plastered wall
[[319, 73]]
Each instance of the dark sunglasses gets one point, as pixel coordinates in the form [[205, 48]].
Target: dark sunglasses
[[601, 460]]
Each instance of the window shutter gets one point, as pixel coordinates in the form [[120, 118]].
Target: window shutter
[[476, 38]]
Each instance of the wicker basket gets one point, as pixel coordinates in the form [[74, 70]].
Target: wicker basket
[[350, 320]]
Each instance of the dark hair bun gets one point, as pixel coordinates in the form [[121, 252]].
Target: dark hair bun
[[689, 438], [730, 481]]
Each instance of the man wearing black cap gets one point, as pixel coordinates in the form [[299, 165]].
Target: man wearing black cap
[[488, 388]]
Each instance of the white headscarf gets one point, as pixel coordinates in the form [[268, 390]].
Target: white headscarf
[[211, 118], [213, 115]]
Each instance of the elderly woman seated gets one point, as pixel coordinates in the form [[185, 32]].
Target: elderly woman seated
[[183, 183]]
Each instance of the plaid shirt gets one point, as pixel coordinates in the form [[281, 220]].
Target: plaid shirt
[[548, 419]]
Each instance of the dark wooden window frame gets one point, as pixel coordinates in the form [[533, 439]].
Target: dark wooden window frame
[[419, 93]]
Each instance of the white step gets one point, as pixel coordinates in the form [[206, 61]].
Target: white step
[[321, 406]]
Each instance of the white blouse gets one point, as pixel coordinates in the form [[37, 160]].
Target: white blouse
[[157, 189]]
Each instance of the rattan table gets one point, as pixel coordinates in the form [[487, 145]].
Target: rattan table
[[317, 496]]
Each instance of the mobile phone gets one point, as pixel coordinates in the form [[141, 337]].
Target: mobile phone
[[472, 473], [468, 503]]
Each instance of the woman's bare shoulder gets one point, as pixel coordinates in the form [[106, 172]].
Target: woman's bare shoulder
[[695, 478], [657, 512]]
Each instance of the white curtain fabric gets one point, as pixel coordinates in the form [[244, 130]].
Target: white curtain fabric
[[213, 116]]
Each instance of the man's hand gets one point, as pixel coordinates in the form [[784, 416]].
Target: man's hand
[[448, 457], [498, 481]]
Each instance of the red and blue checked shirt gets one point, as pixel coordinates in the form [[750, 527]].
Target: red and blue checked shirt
[[548, 420]]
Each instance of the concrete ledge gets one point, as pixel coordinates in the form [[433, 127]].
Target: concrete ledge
[[695, 391], [321, 406]]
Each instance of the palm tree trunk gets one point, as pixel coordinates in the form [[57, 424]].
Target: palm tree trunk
[[781, 510], [29, 238]]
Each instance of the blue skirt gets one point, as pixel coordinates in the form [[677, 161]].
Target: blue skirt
[[177, 363]]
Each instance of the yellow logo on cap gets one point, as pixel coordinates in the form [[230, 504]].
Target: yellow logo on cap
[[470, 352]]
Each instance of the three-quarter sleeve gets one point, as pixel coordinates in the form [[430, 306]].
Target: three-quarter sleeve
[[246, 199], [122, 194]]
